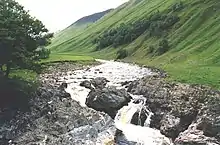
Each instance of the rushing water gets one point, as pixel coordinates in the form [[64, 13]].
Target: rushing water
[[136, 133], [103, 130]]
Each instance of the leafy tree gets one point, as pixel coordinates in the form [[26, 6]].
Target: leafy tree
[[177, 6], [150, 49], [43, 53], [163, 46], [20, 35], [122, 53]]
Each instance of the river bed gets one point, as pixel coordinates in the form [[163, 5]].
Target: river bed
[[116, 73]]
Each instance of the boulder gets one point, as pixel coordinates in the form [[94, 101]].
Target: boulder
[[99, 82], [170, 126], [193, 136], [209, 118], [139, 118], [108, 100], [63, 86], [87, 84]]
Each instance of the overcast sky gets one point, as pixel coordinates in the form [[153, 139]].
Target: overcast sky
[[58, 14]]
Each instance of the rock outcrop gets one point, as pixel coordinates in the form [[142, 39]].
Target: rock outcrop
[[178, 106], [52, 114]]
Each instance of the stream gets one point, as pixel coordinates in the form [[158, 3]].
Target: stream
[[103, 131]]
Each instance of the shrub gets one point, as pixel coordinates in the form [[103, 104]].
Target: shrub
[[122, 53], [150, 49], [43, 53], [163, 46], [177, 6]]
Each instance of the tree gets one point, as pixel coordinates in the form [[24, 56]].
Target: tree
[[20, 35], [43, 53], [163, 46], [122, 53]]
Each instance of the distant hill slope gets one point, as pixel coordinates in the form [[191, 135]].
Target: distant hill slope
[[179, 36], [78, 26], [91, 18]]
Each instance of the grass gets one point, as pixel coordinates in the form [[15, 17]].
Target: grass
[[31, 77], [194, 56], [24, 75], [66, 57]]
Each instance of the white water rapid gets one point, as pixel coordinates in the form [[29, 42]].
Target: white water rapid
[[116, 73], [136, 133]]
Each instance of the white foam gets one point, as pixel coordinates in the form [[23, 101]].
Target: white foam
[[143, 135]]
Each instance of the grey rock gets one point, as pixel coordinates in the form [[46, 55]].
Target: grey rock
[[170, 126], [87, 84], [99, 82], [63, 86], [192, 136], [108, 100]]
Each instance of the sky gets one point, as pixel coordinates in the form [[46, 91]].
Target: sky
[[59, 14]]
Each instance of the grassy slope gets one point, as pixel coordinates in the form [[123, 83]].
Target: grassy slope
[[194, 56]]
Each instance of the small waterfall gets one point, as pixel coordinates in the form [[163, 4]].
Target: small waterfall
[[143, 135]]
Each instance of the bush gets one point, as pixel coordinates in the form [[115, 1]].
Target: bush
[[163, 46], [177, 6], [150, 49], [43, 53], [122, 53]]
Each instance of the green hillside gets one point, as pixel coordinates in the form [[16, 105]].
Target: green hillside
[[77, 26], [190, 53]]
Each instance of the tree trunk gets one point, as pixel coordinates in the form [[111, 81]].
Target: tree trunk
[[8, 68], [1, 70]]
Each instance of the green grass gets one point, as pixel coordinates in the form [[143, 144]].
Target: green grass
[[24, 75], [194, 56], [32, 77], [66, 57]]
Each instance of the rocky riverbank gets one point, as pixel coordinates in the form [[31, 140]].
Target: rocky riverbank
[[188, 114], [51, 113]]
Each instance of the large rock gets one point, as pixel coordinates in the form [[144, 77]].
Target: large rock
[[139, 118], [169, 126], [87, 84], [176, 106], [209, 118], [108, 100], [193, 136], [99, 82]]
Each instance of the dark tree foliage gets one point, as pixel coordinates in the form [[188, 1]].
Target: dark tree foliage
[[177, 6], [20, 35], [150, 49], [163, 46], [122, 53], [43, 53], [155, 25]]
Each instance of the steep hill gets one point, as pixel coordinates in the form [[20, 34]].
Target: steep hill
[[180, 37], [78, 26]]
